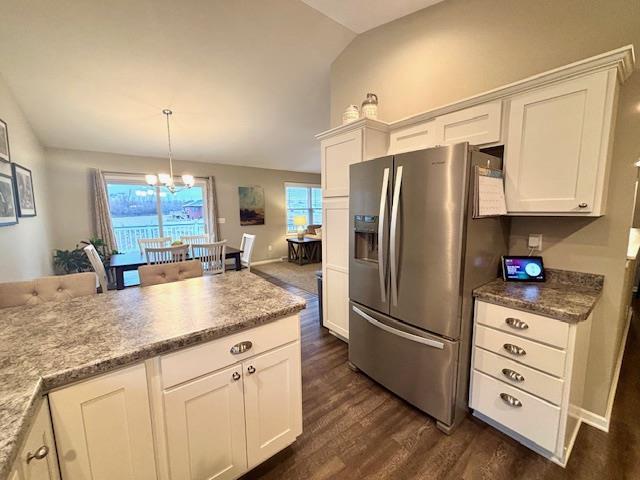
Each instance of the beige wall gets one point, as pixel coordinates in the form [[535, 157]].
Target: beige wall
[[459, 48], [25, 248], [71, 199]]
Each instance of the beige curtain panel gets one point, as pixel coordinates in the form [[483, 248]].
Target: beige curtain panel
[[102, 217], [212, 210]]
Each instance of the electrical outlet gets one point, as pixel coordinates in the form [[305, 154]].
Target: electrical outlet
[[535, 241]]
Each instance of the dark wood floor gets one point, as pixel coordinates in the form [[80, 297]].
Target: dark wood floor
[[355, 429]]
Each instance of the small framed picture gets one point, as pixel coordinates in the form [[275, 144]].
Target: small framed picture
[[24, 190], [4, 142], [8, 209]]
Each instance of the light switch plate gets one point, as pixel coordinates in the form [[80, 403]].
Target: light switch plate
[[535, 241], [222, 220]]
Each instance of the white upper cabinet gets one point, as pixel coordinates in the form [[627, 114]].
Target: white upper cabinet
[[103, 427], [557, 147], [413, 137], [479, 125], [337, 154]]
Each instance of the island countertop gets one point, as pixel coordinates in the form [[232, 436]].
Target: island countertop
[[566, 296], [49, 345]]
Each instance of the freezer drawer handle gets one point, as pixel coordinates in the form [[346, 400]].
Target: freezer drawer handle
[[510, 400], [512, 375], [399, 333], [516, 323], [514, 349]]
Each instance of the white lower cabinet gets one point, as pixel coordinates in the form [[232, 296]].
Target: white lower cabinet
[[205, 424], [103, 427], [37, 458], [529, 382], [273, 402]]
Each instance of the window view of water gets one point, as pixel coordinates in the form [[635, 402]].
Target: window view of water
[[136, 213]]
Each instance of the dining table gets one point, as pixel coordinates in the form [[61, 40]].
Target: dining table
[[124, 262]]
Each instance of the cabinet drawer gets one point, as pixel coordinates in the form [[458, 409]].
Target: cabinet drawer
[[536, 355], [527, 379], [193, 362], [534, 419], [539, 328]]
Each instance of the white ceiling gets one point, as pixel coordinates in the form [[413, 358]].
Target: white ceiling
[[363, 15], [248, 81]]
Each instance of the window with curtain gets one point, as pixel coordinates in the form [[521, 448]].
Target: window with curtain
[[303, 199], [140, 211]]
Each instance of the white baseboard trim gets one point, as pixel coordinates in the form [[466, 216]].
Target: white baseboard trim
[[264, 262], [598, 421]]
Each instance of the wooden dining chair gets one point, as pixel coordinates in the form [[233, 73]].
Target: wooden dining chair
[[212, 256], [98, 267], [195, 240], [178, 253], [159, 242], [56, 288], [169, 272], [246, 245]]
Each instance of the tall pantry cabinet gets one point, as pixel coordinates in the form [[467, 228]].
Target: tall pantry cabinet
[[362, 140]]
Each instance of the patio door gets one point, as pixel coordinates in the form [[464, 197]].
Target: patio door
[[141, 211]]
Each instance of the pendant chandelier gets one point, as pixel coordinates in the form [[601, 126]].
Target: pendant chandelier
[[166, 179]]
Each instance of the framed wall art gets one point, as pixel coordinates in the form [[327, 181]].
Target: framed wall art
[[4, 142], [251, 205], [23, 184], [8, 208]]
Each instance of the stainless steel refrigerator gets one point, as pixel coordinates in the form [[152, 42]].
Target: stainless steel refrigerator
[[415, 255]]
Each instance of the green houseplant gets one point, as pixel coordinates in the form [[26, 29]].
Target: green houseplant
[[75, 261]]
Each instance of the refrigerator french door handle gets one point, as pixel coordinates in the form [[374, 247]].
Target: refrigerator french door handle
[[381, 230], [399, 333], [394, 233]]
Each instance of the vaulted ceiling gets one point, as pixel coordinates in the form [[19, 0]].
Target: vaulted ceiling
[[247, 80]]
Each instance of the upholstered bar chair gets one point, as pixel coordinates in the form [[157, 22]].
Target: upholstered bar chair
[[56, 288], [178, 253], [169, 272]]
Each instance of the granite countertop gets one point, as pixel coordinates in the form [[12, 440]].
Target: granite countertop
[[53, 344], [566, 296]]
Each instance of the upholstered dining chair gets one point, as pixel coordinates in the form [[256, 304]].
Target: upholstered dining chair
[[56, 288], [98, 267], [177, 253], [169, 272], [246, 245], [211, 255], [158, 242]]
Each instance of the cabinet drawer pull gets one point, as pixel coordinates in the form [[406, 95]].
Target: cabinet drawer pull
[[516, 323], [241, 347], [514, 349], [582, 205], [235, 376], [511, 375], [251, 369], [41, 453], [510, 400]]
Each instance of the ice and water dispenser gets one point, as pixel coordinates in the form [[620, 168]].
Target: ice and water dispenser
[[366, 238]]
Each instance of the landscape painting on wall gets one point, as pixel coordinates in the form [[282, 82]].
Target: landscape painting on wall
[[4, 142], [8, 210], [251, 205]]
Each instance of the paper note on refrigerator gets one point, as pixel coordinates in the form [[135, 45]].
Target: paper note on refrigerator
[[490, 193]]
